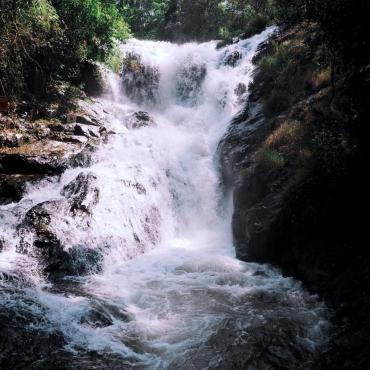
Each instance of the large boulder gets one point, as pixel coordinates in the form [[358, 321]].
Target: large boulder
[[82, 193], [37, 227], [140, 81], [41, 157], [232, 58], [42, 222]]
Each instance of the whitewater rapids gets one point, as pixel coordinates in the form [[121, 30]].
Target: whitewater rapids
[[169, 293]]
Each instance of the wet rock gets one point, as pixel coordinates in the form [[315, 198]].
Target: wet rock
[[240, 89], [81, 131], [41, 157], [232, 59], [151, 225], [241, 140], [12, 187], [24, 347], [41, 221], [82, 193], [75, 139], [84, 157], [86, 120], [87, 131], [140, 81], [189, 81], [140, 119], [57, 127], [38, 221], [84, 260], [58, 261]]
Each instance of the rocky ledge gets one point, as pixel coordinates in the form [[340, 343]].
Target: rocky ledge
[[31, 150]]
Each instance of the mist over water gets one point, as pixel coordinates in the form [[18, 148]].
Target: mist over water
[[167, 291]]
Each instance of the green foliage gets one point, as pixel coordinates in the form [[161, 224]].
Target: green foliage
[[343, 23], [287, 73], [287, 11], [44, 15], [270, 158], [115, 59], [188, 20], [147, 18], [91, 26], [47, 44]]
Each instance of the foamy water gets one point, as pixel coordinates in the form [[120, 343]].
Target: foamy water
[[170, 292]]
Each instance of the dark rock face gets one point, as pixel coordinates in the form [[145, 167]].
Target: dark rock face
[[231, 59], [47, 147], [42, 157], [311, 225], [140, 119], [61, 146], [82, 193], [37, 221], [12, 187], [81, 196], [92, 79], [240, 89], [140, 82], [189, 82], [243, 137]]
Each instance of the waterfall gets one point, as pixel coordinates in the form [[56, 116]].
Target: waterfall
[[152, 280]]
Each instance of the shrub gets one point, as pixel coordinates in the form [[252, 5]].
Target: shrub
[[278, 101], [48, 43], [115, 59], [256, 25], [321, 78], [270, 158], [288, 133]]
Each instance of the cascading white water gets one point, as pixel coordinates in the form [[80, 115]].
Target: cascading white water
[[170, 293]]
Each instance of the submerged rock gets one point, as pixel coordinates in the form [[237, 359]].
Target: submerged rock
[[140, 119], [240, 89], [189, 81], [231, 59]]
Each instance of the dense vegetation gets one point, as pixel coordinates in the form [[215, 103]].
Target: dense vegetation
[[47, 46]]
